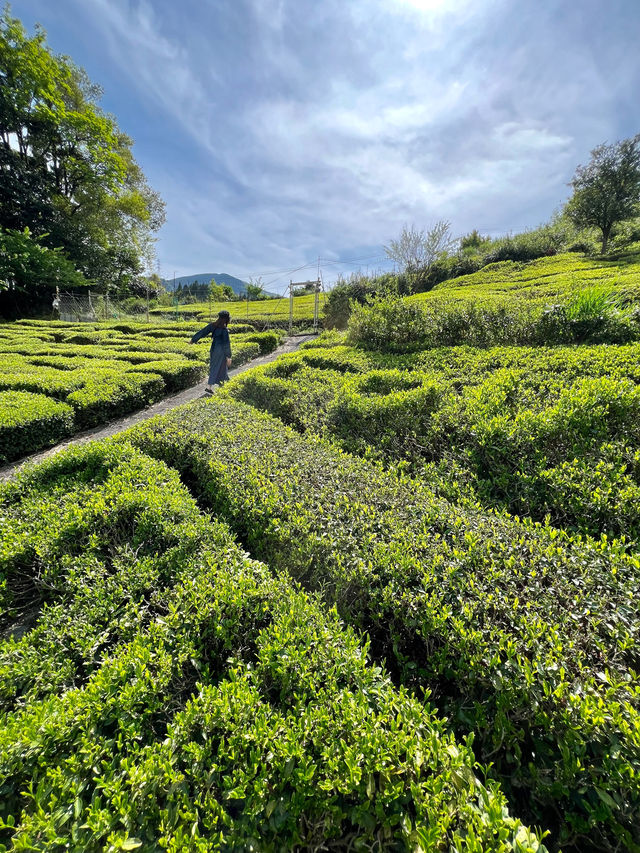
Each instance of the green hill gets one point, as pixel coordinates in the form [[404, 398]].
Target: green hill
[[544, 279], [203, 278]]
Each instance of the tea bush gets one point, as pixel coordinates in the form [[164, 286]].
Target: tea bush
[[526, 636], [107, 397], [166, 692], [29, 422], [540, 432], [101, 371]]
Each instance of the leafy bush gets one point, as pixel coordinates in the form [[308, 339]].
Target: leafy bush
[[393, 325], [328, 338], [30, 422], [134, 305], [337, 308], [45, 380], [177, 374], [526, 636], [267, 341], [110, 396], [169, 693], [388, 324], [529, 245]]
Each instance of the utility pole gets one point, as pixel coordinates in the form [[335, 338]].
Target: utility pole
[[290, 306], [175, 298], [316, 300], [316, 294]]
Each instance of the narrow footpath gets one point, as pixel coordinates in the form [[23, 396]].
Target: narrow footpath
[[187, 396]]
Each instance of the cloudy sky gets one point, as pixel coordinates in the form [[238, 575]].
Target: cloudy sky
[[280, 131]]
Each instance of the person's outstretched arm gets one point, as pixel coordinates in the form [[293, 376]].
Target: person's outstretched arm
[[206, 331]]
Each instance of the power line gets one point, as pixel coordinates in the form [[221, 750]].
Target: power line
[[326, 261]]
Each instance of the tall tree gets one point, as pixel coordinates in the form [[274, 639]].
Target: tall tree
[[255, 289], [66, 170], [30, 273], [416, 250], [607, 190]]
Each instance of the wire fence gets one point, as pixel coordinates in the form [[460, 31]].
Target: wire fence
[[195, 304]]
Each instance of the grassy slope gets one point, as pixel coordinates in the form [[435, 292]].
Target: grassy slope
[[545, 278]]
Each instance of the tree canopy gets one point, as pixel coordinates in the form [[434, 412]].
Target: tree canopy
[[67, 172], [418, 249], [220, 292], [607, 190]]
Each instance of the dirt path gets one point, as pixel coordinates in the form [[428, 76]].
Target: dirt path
[[164, 405]]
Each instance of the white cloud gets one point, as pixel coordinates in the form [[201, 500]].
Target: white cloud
[[158, 66], [300, 128]]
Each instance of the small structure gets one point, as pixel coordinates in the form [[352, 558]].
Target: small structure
[[307, 285]]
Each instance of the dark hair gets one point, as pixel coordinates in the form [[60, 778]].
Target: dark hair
[[223, 319]]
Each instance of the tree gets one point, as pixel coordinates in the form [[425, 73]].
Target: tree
[[473, 243], [30, 274], [416, 250], [255, 289], [66, 170], [220, 292], [607, 190]]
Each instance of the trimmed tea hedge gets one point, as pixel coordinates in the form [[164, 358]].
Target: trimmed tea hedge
[[164, 691], [29, 422], [540, 432], [108, 397], [102, 372], [527, 637]]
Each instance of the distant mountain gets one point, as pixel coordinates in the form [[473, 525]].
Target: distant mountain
[[202, 279]]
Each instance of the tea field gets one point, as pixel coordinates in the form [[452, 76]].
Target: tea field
[[543, 432], [160, 689], [548, 279], [264, 313], [57, 378], [380, 594]]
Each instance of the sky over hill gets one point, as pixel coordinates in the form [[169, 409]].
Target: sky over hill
[[280, 131]]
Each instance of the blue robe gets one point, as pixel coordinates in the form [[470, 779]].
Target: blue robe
[[220, 352]]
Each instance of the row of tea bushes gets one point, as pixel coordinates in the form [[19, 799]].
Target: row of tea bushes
[[29, 421], [527, 637], [393, 325], [58, 328], [540, 432], [95, 339], [120, 345], [161, 690], [549, 278], [113, 395], [101, 374]]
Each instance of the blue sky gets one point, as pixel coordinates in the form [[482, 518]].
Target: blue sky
[[280, 131]]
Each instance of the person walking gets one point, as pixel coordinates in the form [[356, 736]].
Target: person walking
[[220, 357]]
